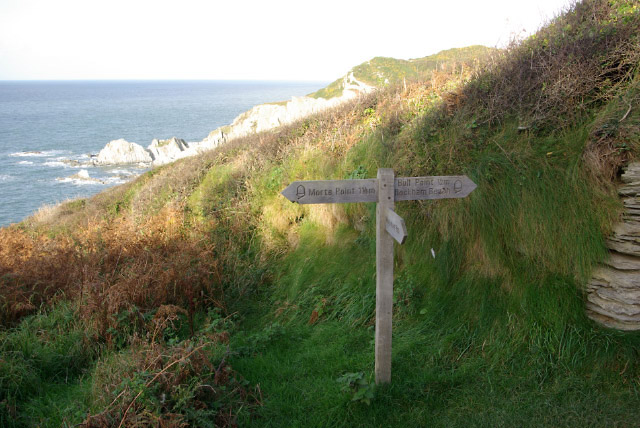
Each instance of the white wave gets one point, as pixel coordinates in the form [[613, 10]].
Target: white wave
[[5, 177], [81, 178], [38, 153], [27, 154], [83, 174], [80, 181], [115, 180], [56, 152], [25, 163], [126, 172], [54, 163]]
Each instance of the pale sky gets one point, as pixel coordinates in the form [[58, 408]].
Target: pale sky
[[244, 39]]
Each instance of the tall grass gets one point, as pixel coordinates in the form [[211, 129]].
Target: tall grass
[[50, 348]]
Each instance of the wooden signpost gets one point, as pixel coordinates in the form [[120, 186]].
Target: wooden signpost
[[385, 190]]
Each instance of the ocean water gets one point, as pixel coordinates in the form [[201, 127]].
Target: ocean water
[[46, 126]]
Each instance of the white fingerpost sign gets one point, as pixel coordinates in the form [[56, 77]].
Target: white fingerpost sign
[[385, 190]]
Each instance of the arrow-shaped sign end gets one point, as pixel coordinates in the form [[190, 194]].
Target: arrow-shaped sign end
[[290, 192], [472, 185], [466, 186]]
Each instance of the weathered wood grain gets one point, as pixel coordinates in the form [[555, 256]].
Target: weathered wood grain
[[332, 191], [433, 187], [384, 278]]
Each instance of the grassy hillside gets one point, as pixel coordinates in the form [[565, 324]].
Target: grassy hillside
[[381, 71], [198, 296]]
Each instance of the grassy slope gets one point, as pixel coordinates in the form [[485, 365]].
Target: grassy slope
[[490, 332], [382, 71]]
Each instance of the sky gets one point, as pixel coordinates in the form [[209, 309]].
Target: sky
[[245, 39]]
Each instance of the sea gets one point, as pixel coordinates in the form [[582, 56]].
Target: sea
[[50, 129]]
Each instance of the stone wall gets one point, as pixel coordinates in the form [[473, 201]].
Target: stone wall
[[613, 293]]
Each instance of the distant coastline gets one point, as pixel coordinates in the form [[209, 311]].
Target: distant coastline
[[66, 121]]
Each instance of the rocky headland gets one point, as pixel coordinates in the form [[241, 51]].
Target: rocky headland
[[260, 118]]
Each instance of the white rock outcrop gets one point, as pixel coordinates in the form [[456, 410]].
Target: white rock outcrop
[[82, 177], [123, 152], [268, 116], [165, 151]]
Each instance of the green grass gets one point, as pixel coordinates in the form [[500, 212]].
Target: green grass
[[332, 90], [59, 404], [212, 189], [300, 369], [42, 361], [469, 354], [468, 350], [443, 375]]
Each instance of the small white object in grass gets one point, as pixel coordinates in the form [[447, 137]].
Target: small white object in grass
[[433, 253]]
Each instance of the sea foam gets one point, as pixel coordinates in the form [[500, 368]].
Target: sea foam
[[54, 163], [37, 153]]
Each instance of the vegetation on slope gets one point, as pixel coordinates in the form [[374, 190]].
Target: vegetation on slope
[[202, 297], [381, 71]]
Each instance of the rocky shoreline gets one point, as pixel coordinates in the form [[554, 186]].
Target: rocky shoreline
[[260, 118], [159, 152]]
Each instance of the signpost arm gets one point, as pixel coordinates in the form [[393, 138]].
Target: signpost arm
[[384, 276]]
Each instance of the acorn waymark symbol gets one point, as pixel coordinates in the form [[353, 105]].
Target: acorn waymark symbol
[[300, 192]]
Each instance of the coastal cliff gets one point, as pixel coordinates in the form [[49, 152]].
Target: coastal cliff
[[361, 80], [265, 117], [260, 118]]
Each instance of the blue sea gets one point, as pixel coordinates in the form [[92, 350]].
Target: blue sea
[[46, 126]]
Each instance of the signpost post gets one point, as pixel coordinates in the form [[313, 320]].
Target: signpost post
[[385, 190]]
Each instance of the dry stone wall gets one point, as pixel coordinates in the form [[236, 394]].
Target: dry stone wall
[[613, 293]]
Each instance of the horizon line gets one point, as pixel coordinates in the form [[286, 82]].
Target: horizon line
[[166, 80]]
